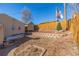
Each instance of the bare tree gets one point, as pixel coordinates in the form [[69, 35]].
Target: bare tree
[[74, 7], [26, 15]]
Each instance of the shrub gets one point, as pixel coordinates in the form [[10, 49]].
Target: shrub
[[59, 26]]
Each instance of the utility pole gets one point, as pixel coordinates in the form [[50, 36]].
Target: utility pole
[[65, 19], [64, 11]]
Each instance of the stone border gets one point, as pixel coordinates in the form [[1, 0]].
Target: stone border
[[13, 52], [43, 49]]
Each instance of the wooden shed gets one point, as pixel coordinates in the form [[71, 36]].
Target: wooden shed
[[29, 27]]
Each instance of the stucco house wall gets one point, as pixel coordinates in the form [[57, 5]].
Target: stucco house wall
[[11, 25]]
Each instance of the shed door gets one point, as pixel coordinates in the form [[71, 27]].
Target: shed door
[[1, 34]]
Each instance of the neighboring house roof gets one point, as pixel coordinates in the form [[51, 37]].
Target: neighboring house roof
[[4, 16]]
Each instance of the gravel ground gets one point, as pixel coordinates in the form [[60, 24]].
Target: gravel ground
[[64, 46]]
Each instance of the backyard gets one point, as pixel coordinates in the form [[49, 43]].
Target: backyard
[[55, 43]]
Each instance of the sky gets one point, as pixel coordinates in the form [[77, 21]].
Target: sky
[[41, 12]]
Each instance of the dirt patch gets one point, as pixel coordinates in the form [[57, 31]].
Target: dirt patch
[[29, 50], [63, 47]]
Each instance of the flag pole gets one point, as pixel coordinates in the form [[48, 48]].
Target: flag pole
[[64, 11]]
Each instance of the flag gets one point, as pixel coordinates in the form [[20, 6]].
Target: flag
[[58, 14]]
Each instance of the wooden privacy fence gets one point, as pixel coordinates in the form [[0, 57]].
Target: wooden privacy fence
[[75, 27]]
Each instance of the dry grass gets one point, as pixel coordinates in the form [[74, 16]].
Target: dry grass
[[63, 46]]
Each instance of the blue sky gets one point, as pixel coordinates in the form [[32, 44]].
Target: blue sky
[[41, 12]]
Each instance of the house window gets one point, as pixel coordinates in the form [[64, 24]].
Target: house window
[[19, 28], [13, 27]]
